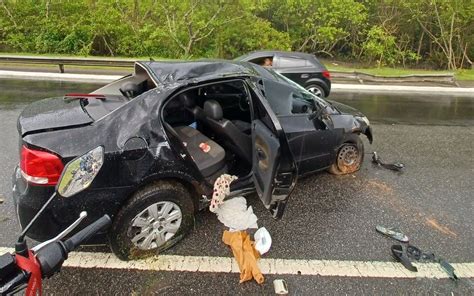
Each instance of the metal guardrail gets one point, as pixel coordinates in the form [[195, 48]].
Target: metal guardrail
[[61, 62], [361, 77]]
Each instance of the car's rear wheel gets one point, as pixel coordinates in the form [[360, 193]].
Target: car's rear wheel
[[155, 219], [316, 89], [349, 158]]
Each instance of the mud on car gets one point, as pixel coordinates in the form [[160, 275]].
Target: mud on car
[[168, 131]]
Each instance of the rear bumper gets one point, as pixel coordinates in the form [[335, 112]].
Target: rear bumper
[[62, 212]]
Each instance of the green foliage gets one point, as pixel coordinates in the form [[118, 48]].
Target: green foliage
[[439, 33], [382, 46]]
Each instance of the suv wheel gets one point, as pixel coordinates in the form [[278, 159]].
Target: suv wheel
[[316, 89], [155, 219], [349, 158]]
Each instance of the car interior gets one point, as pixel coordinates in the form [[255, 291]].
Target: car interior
[[130, 86], [261, 60], [212, 122]]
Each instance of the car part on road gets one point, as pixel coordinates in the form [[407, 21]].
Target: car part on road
[[153, 220], [397, 166], [400, 254], [245, 254], [280, 287], [390, 232], [349, 157]]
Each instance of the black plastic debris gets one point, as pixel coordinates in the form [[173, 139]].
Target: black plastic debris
[[407, 254], [448, 268], [390, 232], [397, 166], [400, 254], [416, 254]]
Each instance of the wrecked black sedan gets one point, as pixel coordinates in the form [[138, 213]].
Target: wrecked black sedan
[[168, 131]]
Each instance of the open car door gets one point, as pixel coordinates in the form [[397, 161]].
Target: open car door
[[274, 169]]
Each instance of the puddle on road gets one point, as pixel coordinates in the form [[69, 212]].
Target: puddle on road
[[411, 109]]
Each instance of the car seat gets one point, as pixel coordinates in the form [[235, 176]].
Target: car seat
[[236, 140]]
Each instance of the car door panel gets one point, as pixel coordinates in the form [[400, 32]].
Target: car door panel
[[265, 159], [274, 169], [310, 145]]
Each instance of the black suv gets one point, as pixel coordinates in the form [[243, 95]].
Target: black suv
[[303, 68], [167, 132]]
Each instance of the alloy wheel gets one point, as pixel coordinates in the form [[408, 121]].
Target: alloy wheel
[[316, 90], [155, 225]]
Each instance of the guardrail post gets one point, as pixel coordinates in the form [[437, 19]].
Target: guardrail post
[[61, 68]]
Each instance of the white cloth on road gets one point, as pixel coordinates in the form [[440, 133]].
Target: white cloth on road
[[234, 214]]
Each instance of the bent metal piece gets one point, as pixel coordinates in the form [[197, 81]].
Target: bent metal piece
[[392, 233], [397, 166]]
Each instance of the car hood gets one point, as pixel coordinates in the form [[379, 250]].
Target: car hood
[[344, 109]]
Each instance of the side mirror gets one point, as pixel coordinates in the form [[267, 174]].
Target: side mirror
[[80, 172]]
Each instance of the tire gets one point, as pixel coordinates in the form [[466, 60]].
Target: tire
[[349, 158], [156, 210], [317, 90]]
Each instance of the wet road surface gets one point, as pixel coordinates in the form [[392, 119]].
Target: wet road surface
[[328, 217]]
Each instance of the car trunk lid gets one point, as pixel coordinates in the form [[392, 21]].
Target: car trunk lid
[[66, 112]]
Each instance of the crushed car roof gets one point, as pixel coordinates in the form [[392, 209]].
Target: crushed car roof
[[195, 71]]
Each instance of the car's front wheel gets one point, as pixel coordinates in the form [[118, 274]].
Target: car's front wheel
[[349, 158], [154, 219], [317, 90]]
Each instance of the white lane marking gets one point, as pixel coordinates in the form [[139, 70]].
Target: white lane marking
[[336, 87], [369, 269]]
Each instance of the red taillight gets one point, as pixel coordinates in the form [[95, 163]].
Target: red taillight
[[40, 167], [327, 74]]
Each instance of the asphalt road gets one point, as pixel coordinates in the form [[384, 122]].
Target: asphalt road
[[328, 217]]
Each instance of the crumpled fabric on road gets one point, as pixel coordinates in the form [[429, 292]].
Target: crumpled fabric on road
[[234, 214], [245, 254], [221, 190]]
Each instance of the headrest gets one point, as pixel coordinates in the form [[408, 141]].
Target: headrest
[[188, 100], [213, 109], [130, 89]]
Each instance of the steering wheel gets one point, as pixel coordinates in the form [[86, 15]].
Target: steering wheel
[[316, 114]]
